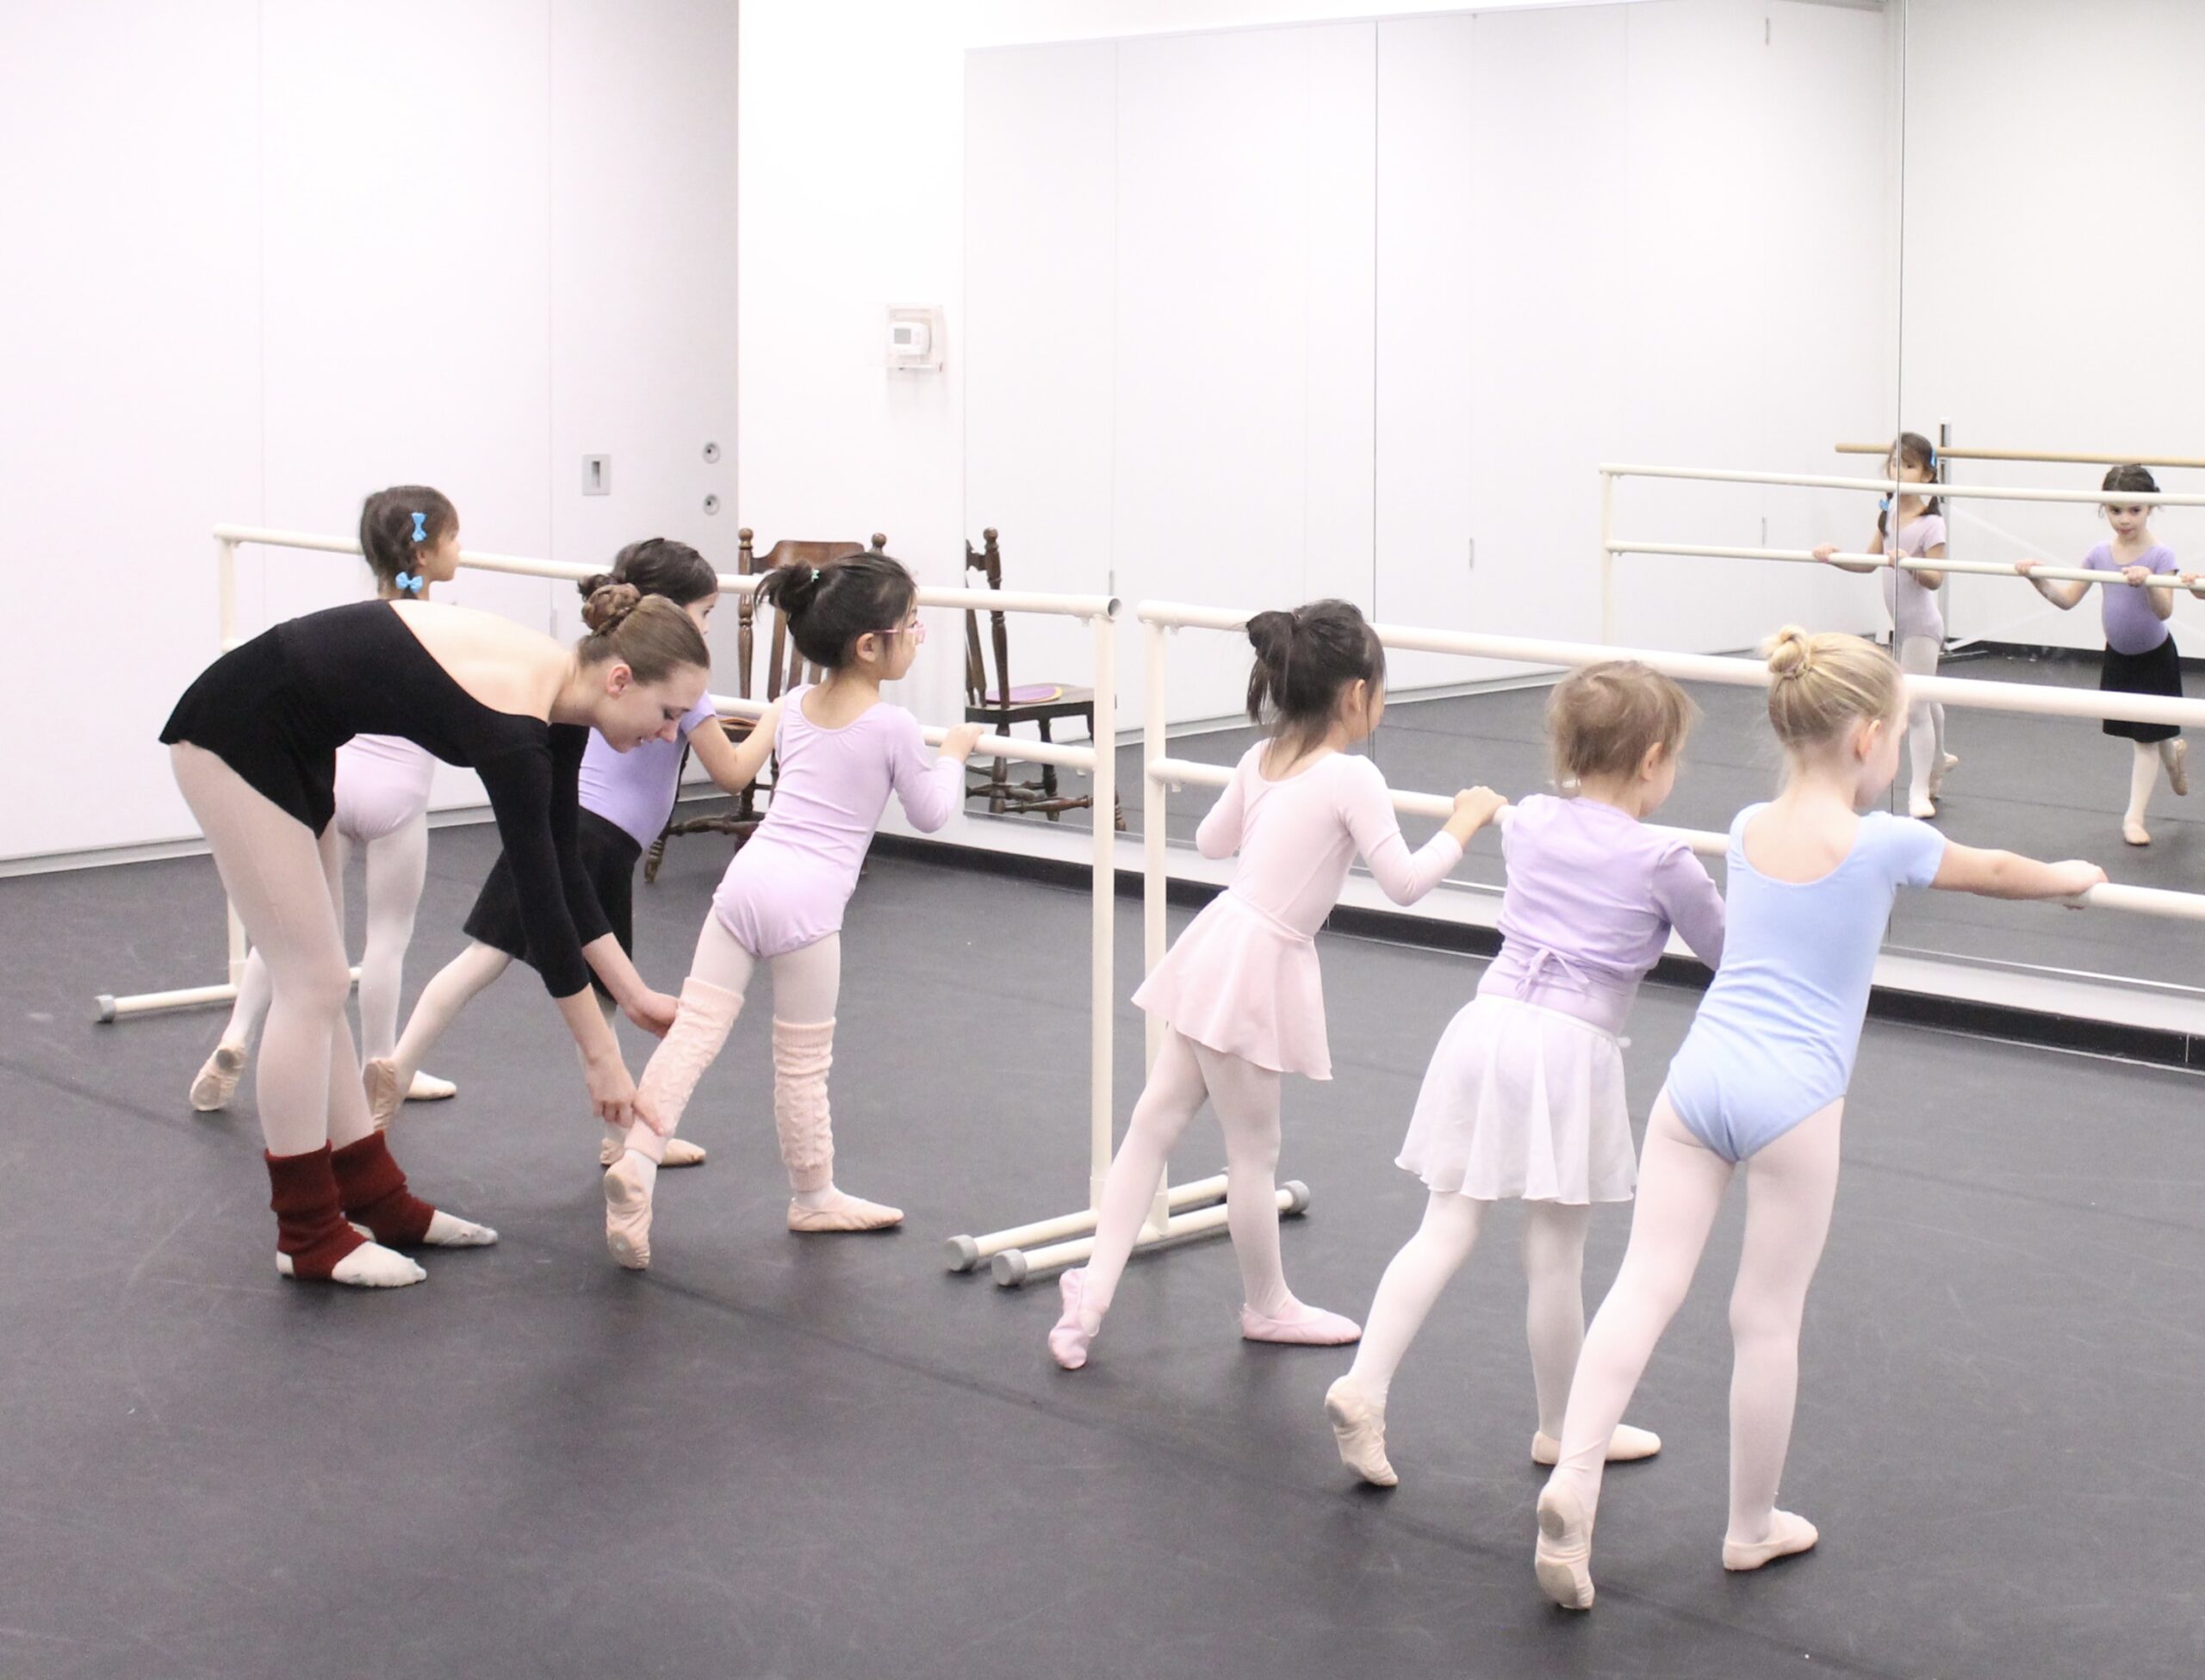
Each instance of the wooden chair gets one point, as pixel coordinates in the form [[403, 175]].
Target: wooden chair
[[1000, 706], [785, 669]]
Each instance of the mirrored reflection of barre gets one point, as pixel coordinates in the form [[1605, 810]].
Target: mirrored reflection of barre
[[1978, 568], [1955, 452]]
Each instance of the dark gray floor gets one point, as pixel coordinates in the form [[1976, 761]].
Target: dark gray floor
[[775, 1456], [2048, 787]]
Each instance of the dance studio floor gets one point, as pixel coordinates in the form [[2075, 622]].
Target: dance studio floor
[[775, 1456]]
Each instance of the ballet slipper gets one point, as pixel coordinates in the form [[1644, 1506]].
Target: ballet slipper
[[2178, 768], [1359, 1426], [216, 1082], [1946, 763], [1070, 1338], [372, 1190], [1788, 1534], [679, 1152], [1301, 1326], [2135, 834], [313, 1241], [802, 1055], [1625, 1446], [1921, 809], [628, 1184], [1563, 1559], [427, 1087], [842, 1211], [379, 1078]]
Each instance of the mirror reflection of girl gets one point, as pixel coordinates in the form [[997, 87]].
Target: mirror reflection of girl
[[1914, 530], [1240, 990], [2140, 651]]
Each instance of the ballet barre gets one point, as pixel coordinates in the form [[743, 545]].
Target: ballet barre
[[1978, 568], [1955, 452]]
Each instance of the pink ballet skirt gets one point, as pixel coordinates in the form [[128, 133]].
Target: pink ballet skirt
[[1522, 1102], [1243, 983]]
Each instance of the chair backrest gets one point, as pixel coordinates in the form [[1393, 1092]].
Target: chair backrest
[[786, 667], [987, 560]]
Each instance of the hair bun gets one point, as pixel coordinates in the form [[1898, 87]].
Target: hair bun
[[609, 604], [595, 581], [1271, 634], [1790, 653]]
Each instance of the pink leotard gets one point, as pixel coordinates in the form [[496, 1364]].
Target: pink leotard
[[786, 888], [382, 785]]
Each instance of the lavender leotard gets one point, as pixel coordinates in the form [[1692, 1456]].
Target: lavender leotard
[[634, 789], [786, 888], [2131, 626], [1914, 609]]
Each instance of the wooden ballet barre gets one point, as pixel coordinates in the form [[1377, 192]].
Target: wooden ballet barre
[[1991, 492], [1954, 452], [1979, 568]]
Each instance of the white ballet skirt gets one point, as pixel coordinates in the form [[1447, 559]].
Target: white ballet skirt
[[1522, 1102]]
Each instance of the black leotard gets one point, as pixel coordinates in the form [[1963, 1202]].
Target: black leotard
[[275, 709]]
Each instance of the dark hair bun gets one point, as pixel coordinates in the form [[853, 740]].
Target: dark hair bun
[[793, 588], [608, 605], [595, 581], [1271, 634]]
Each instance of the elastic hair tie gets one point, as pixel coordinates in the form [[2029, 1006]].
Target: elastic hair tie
[[420, 526], [815, 575], [408, 580]]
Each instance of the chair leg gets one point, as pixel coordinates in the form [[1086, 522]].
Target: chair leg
[[1048, 771]]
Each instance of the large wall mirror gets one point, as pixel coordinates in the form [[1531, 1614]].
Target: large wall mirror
[[1361, 308]]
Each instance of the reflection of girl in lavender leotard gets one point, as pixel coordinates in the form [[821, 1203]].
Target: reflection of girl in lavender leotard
[[841, 750], [1914, 530]]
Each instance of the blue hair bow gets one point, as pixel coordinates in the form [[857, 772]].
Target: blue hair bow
[[410, 580], [420, 526]]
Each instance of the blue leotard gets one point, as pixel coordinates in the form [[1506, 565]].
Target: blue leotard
[[1775, 1037]]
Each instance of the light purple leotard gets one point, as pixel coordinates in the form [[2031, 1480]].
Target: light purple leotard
[[382, 785], [634, 789], [2131, 626], [1914, 609], [1591, 895], [786, 888]]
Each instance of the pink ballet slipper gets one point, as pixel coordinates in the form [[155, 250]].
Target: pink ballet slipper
[[679, 1152], [1788, 1534], [1069, 1340], [843, 1211], [1625, 1446], [216, 1081], [628, 1184], [1304, 1327], [1564, 1560], [380, 1077], [1359, 1426]]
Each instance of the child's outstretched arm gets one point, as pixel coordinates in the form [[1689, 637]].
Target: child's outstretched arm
[[2010, 875], [1823, 551], [734, 766], [931, 790], [1367, 808], [2061, 592]]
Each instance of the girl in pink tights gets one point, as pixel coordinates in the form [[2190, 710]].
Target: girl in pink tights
[[841, 749], [1241, 991]]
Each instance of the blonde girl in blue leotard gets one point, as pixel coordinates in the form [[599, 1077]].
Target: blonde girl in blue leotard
[[1760, 1079]]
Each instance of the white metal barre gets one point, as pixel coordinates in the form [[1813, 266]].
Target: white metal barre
[[1981, 568], [1954, 452], [1992, 493]]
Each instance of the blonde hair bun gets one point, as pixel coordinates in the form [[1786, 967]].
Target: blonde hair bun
[[1826, 683], [1789, 652]]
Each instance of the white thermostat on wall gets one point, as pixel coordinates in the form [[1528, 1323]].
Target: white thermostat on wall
[[914, 337]]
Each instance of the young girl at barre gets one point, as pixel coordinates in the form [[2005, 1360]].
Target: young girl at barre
[[843, 749], [626, 797], [2140, 651], [1524, 1100], [1241, 991], [1760, 1079], [1914, 530], [383, 807]]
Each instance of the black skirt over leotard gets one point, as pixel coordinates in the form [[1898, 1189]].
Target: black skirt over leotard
[[275, 709], [2157, 671], [608, 853]]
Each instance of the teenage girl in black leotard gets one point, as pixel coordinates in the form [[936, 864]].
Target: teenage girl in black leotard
[[253, 743]]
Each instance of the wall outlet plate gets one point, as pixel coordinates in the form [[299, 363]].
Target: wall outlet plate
[[597, 475], [914, 337]]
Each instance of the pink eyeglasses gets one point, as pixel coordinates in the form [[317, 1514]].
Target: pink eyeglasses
[[916, 629]]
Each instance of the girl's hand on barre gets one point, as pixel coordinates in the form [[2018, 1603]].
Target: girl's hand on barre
[[2193, 583], [2078, 876], [958, 744], [2026, 567], [2135, 576], [1825, 550], [652, 1011], [1474, 808]]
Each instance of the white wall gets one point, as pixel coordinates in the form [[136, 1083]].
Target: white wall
[[294, 252], [1348, 298], [2053, 154]]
